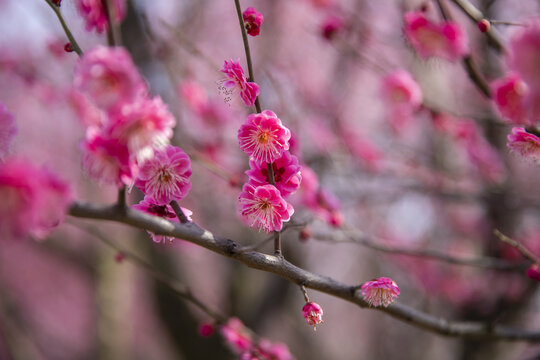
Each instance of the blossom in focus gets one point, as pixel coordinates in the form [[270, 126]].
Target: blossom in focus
[[236, 81], [95, 15], [108, 77], [263, 207], [236, 335], [252, 21], [444, 40], [34, 200], [165, 177], [402, 96], [313, 313], [382, 291], [524, 143], [8, 130], [149, 206], [142, 126], [286, 170], [263, 137], [509, 94]]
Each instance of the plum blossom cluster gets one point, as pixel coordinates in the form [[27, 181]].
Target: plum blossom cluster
[[235, 81], [95, 16], [242, 342], [382, 291], [444, 40], [252, 21], [274, 173]]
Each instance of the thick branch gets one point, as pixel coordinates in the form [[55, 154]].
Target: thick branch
[[279, 266]]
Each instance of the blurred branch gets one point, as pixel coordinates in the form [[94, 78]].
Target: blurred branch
[[69, 35], [519, 247], [281, 267]]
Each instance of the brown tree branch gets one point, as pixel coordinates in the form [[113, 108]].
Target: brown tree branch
[[281, 267]]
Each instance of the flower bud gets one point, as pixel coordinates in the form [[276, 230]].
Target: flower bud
[[313, 313]]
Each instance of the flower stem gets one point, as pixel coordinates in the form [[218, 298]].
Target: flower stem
[[69, 35], [178, 211]]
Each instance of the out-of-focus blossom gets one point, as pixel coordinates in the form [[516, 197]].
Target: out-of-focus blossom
[[236, 335], [263, 207], [206, 329], [286, 170], [331, 26], [382, 291], [142, 125], [533, 273], [363, 149], [509, 94], [89, 114], [149, 206], [444, 40], [236, 81], [95, 13], [252, 21], [524, 54], [524, 143], [33, 200], [273, 351], [108, 160], [165, 177], [402, 96], [313, 313], [8, 130], [108, 77], [263, 137]]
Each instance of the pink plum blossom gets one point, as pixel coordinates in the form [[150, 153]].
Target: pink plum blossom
[[509, 94], [382, 291], [165, 177], [330, 26], [252, 21], [402, 96], [263, 207], [273, 351], [108, 160], [34, 200], [533, 273], [8, 130], [149, 206], [263, 137], [95, 15], [236, 81], [236, 335], [524, 143], [524, 54], [444, 40], [142, 125], [286, 174], [108, 76], [313, 313], [206, 329]]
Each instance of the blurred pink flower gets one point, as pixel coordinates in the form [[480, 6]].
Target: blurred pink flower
[[523, 54], [402, 96], [382, 291], [8, 130], [286, 174], [149, 206], [509, 94], [253, 21], [206, 329], [95, 15], [108, 77], [236, 80], [533, 273], [273, 351], [330, 26], [33, 200], [165, 177], [263, 207], [313, 313], [142, 125], [263, 137], [524, 143], [236, 335], [444, 40], [108, 160]]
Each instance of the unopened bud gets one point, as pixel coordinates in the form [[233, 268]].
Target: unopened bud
[[68, 47], [484, 25]]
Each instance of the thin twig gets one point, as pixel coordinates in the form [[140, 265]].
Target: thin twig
[[178, 211], [74, 45], [518, 246]]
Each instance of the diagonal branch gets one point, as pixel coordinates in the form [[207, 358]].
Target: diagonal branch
[[281, 267]]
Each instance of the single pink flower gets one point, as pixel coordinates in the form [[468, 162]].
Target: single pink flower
[[108, 76], [236, 335], [286, 174], [263, 207], [444, 40], [108, 160], [149, 206], [95, 15], [399, 89], [165, 177], [252, 21], [263, 137], [236, 80], [8, 130], [524, 143], [142, 125], [33, 200], [382, 291], [523, 54], [313, 313], [509, 95]]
